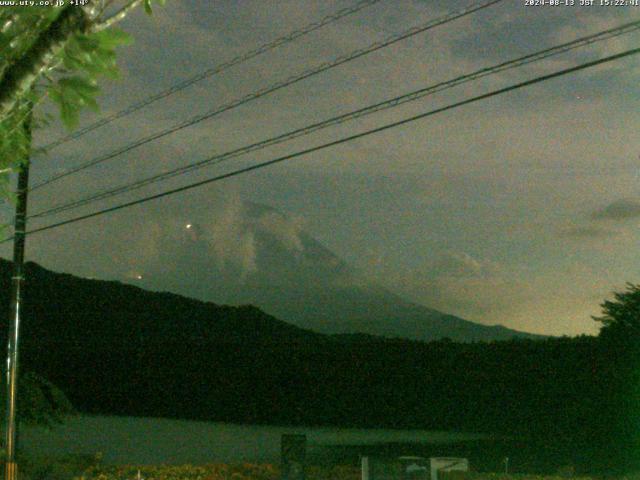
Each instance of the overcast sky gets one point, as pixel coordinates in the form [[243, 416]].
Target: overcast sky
[[521, 210]]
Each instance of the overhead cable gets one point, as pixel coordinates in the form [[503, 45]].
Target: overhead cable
[[243, 57], [272, 88], [390, 103], [343, 140]]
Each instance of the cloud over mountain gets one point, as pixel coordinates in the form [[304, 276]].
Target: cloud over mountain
[[623, 209], [247, 253]]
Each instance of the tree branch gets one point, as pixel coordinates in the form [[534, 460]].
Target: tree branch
[[22, 75], [116, 17]]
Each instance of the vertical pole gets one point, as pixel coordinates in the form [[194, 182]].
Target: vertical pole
[[17, 281], [366, 472], [293, 449]]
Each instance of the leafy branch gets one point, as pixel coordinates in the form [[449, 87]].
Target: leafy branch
[[57, 53]]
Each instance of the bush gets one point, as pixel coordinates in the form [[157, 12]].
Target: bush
[[246, 471], [61, 468]]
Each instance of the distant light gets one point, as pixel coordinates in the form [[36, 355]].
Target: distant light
[[189, 225], [139, 277]]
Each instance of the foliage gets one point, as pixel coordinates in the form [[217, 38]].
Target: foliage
[[621, 316], [127, 351], [40, 401], [55, 53], [501, 476], [14, 148], [85, 58], [148, 5], [245, 471], [620, 344], [59, 468]]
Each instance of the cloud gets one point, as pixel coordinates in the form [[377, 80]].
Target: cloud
[[230, 240], [515, 296], [499, 179], [587, 232], [457, 264], [619, 210], [284, 229], [518, 295]]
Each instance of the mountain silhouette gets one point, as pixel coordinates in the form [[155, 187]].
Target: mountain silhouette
[[117, 349], [259, 256]]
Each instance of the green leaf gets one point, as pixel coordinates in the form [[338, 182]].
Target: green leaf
[[5, 190], [147, 7], [88, 42], [112, 38], [69, 114], [4, 231], [83, 86], [68, 101]]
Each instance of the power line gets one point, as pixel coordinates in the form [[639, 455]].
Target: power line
[[272, 88], [243, 57], [412, 96], [340, 141]]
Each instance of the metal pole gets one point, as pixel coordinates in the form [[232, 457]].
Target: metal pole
[[17, 281]]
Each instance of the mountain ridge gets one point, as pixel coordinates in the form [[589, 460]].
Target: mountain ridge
[[259, 321], [118, 349], [257, 255]]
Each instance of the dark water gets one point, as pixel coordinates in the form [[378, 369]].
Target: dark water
[[128, 440]]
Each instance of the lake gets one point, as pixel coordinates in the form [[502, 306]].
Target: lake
[[129, 440]]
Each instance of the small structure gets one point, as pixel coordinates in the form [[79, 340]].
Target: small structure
[[414, 468], [293, 450], [376, 468], [410, 467], [447, 464]]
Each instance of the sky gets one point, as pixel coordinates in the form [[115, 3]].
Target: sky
[[520, 210]]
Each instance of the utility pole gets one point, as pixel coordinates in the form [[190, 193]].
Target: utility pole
[[17, 282]]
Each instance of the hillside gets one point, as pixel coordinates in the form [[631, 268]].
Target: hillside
[[84, 310], [116, 349], [119, 349], [259, 256]]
